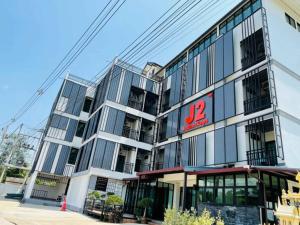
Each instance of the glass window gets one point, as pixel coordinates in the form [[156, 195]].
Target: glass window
[[87, 105], [238, 17], [230, 23], [201, 182], [219, 196], [80, 129], [191, 54], [207, 42], [229, 181], [256, 5], [240, 196], [210, 181], [196, 51], [222, 28], [274, 182], [219, 181], [252, 196], [213, 36], [229, 196], [266, 179], [201, 195], [282, 184], [73, 156], [240, 180], [201, 47], [247, 10], [298, 27], [252, 180], [209, 195], [290, 20]]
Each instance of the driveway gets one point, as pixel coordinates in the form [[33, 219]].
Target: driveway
[[14, 213]]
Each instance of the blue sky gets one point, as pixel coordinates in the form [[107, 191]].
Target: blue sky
[[36, 34]]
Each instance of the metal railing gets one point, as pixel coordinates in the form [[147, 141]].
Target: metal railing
[[127, 168], [158, 166], [39, 194], [141, 167], [68, 171], [256, 104], [133, 103], [130, 133], [262, 157]]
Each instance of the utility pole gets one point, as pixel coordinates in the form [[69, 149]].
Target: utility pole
[[10, 155]]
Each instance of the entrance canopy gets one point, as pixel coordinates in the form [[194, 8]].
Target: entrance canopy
[[286, 172]]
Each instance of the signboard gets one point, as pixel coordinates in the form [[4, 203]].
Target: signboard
[[198, 113]]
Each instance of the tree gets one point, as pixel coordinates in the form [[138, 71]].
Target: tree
[[145, 203], [14, 150]]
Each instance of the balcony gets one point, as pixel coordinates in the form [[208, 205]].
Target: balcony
[[130, 133], [158, 166], [136, 104], [126, 167], [257, 104], [262, 157], [141, 167], [146, 137]]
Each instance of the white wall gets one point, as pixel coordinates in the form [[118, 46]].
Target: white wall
[[77, 192], [288, 91], [283, 37], [291, 142]]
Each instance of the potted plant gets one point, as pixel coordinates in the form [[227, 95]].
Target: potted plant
[[145, 203], [113, 201]]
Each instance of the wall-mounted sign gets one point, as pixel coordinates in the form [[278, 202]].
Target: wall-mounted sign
[[197, 114]]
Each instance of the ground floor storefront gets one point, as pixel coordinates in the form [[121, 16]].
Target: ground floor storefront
[[243, 195]]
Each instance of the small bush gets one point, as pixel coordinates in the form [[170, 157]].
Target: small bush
[[175, 217], [114, 200]]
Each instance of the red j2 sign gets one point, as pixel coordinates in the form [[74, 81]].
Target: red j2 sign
[[197, 116]]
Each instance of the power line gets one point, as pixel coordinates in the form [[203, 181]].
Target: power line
[[33, 99]]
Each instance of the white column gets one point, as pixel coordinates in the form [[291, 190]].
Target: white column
[[30, 185], [176, 198]]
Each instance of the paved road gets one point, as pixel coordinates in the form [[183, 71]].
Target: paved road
[[14, 213]]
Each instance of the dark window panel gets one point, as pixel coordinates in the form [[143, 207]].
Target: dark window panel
[[203, 70], [51, 153], [87, 105], [228, 53], [219, 60], [200, 149], [73, 156], [219, 146], [71, 130], [80, 129], [62, 160], [230, 144], [219, 104], [229, 97], [126, 86]]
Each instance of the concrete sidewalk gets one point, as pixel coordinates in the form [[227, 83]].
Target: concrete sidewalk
[[14, 213]]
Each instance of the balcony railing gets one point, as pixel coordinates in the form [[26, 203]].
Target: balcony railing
[[141, 167], [130, 133], [127, 168], [262, 157], [133, 103], [145, 137], [256, 104], [68, 171]]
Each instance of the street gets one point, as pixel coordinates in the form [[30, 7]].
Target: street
[[14, 213]]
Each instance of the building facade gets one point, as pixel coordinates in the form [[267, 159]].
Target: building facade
[[217, 127]]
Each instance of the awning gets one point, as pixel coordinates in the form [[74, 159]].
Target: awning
[[282, 171]]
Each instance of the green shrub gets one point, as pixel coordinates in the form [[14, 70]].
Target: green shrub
[[145, 203], [94, 195], [175, 217], [114, 200]]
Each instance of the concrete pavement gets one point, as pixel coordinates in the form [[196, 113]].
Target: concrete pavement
[[14, 213]]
